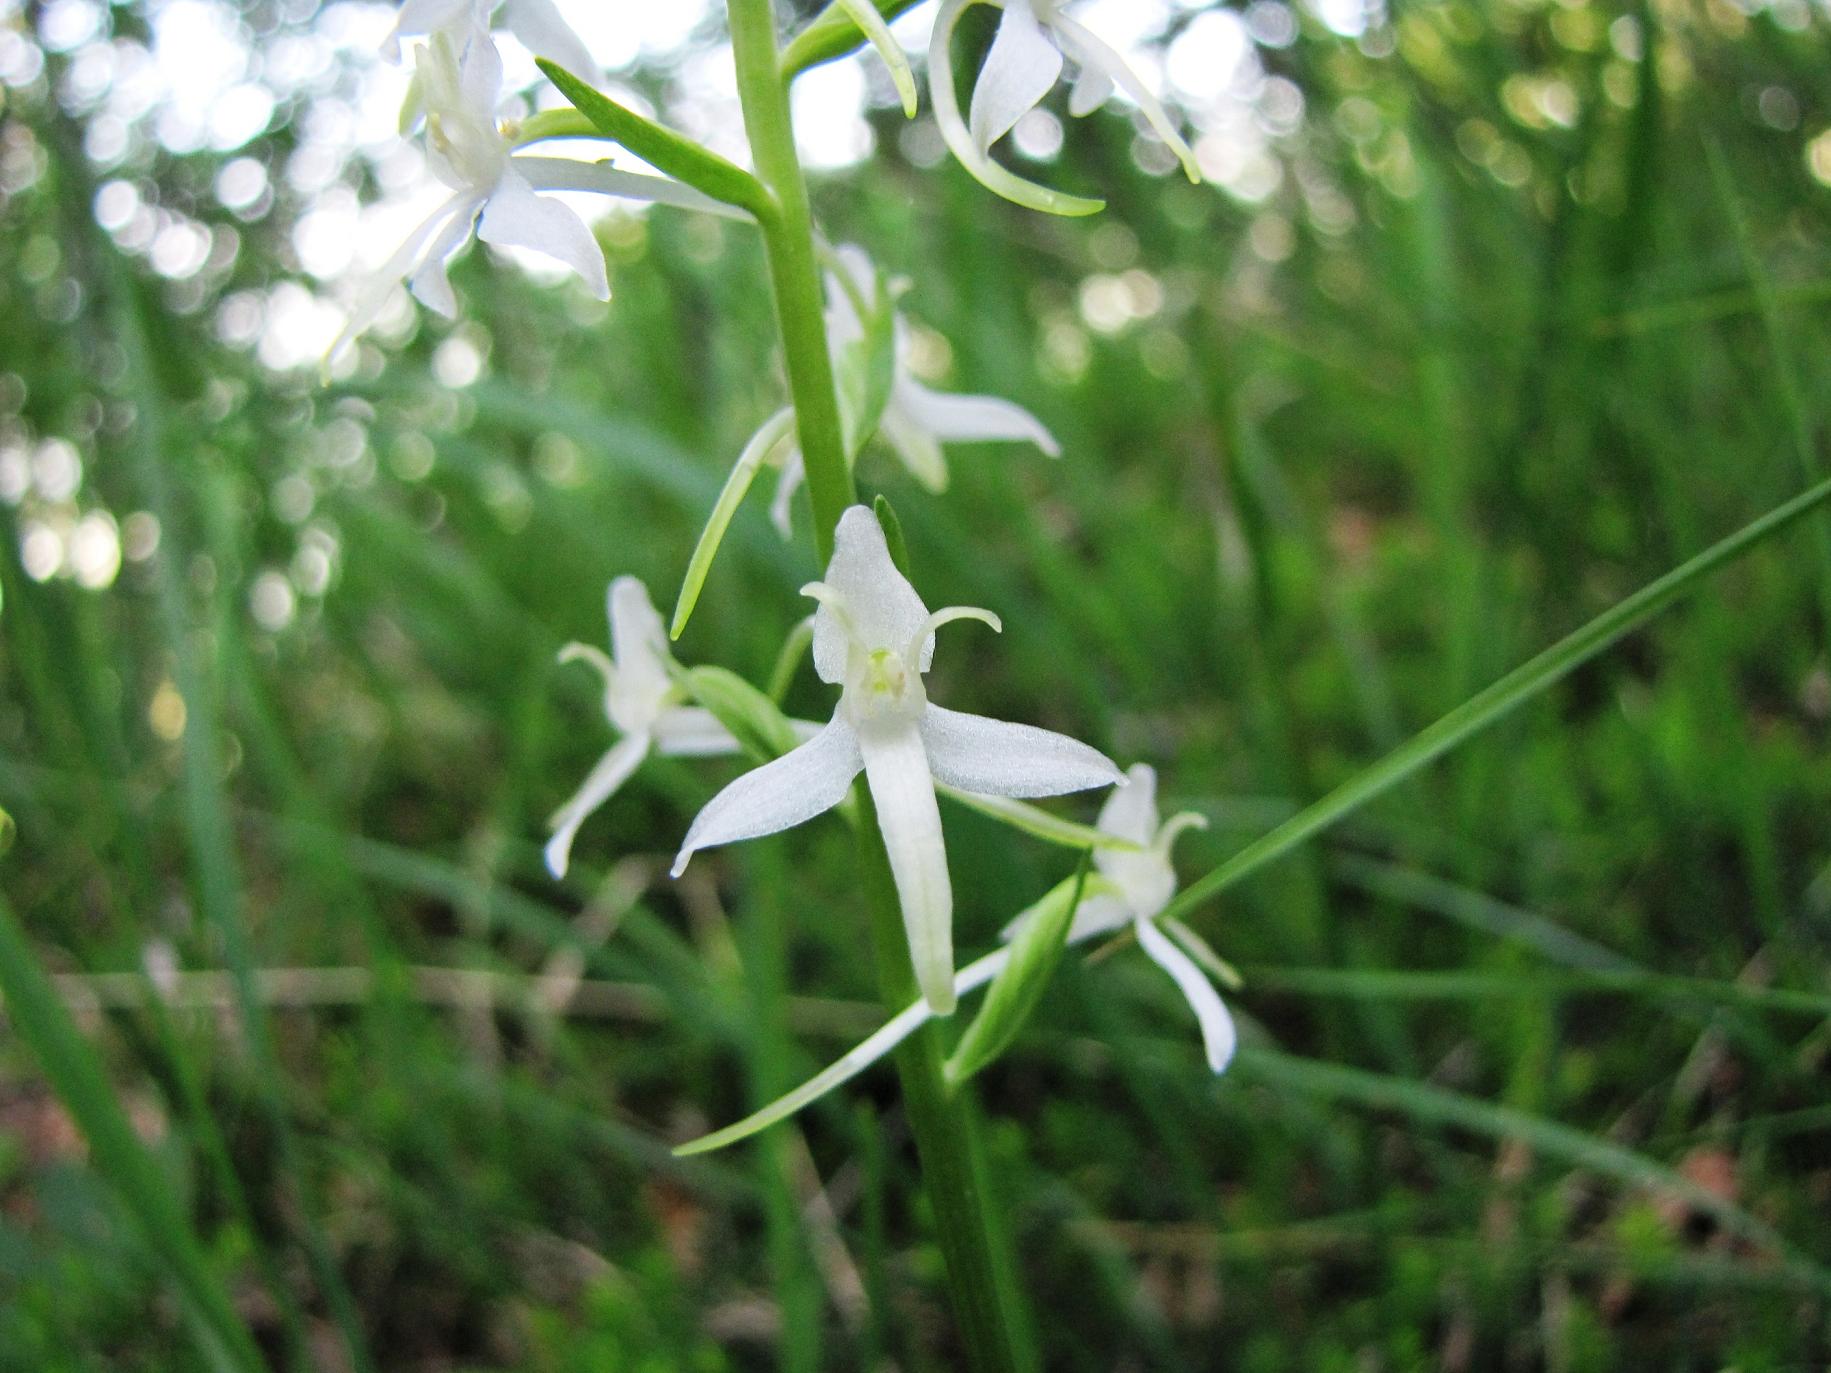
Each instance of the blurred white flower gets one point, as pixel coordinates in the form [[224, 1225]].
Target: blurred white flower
[[1138, 885], [874, 638], [536, 23], [642, 701], [458, 88], [1035, 39], [915, 420]]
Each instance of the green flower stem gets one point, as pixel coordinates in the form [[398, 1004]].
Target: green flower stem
[[980, 1270], [788, 240]]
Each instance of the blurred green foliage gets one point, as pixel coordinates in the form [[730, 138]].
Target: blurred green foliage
[[1533, 310]]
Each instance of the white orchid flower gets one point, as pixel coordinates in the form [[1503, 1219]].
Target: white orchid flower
[[1139, 883], [1035, 39], [457, 89], [916, 420], [642, 701], [874, 639], [538, 25]]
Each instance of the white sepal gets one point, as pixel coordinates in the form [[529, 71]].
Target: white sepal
[[998, 758], [1219, 1038], [972, 419], [909, 818], [516, 217], [779, 795], [612, 770], [1018, 72]]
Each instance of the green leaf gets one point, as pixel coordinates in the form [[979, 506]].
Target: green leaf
[[1434, 1105], [833, 34], [1037, 822], [870, 23], [1383, 984], [1036, 948], [753, 719], [893, 534], [772, 432], [1485, 707], [668, 152], [75, 1074]]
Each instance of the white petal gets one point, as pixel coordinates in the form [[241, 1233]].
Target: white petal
[[1094, 55], [916, 447], [612, 771], [1099, 913], [896, 766], [600, 178], [1018, 72], [880, 604], [480, 79], [1092, 89], [541, 30], [417, 17], [516, 216], [972, 419], [1219, 1037], [781, 505], [780, 795], [960, 140], [1131, 811], [429, 283], [1143, 875], [374, 295], [997, 758], [639, 647], [690, 732]]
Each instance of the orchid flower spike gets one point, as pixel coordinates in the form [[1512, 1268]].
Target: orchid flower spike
[[1034, 40], [644, 704], [1138, 883], [536, 23], [874, 639], [915, 420]]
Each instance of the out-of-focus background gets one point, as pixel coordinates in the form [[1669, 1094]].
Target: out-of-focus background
[[1487, 314]]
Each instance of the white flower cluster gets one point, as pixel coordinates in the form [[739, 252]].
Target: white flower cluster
[[873, 637]]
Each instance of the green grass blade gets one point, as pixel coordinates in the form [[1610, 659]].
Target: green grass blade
[[76, 1075], [1456, 985], [1436, 1106], [1481, 912], [1487, 706]]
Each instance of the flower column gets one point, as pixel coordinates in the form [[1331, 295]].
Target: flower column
[[978, 1265]]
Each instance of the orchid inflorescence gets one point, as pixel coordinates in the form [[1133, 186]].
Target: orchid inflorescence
[[871, 634]]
